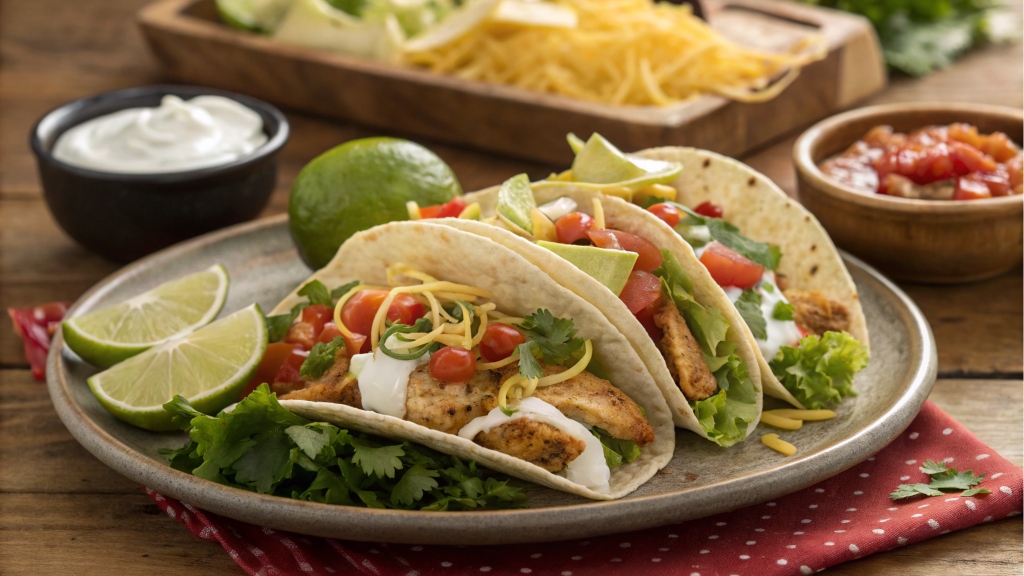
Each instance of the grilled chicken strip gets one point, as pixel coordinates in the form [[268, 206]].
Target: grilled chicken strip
[[336, 385], [816, 313], [536, 442], [448, 406], [593, 401], [683, 355]]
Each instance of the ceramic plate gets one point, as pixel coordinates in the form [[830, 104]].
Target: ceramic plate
[[702, 479]]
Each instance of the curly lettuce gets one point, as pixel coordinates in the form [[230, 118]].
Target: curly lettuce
[[726, 415], [819, 370]]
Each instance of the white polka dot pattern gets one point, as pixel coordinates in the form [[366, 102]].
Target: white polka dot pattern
[[845, 517]]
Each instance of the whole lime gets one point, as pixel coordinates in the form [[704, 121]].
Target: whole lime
[[361, 184]]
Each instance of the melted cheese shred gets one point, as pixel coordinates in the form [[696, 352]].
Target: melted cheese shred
[[779, 445], [620, 52]]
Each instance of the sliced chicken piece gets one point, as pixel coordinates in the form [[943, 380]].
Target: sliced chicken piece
[[816, 313], [336, 385], [683, 354], [536, 442], [593, 401], [448, 406]]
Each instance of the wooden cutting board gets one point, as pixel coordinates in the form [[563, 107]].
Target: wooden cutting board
[[193, 45]]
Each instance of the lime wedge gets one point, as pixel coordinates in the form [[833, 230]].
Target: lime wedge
[[516, 202], [599, 162], [254, 15], [208, 367], [171, 310], [609, 267]]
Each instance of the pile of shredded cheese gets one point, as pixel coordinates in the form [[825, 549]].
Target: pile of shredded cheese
[[449, 331], [623, 52]]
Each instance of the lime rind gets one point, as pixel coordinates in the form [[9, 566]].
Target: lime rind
[[169, 311], [209, 367], [600, 164]]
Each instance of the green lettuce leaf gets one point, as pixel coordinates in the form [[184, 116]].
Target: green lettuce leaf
[[616, 451], [819, 370], [726, 415], [749, 307]]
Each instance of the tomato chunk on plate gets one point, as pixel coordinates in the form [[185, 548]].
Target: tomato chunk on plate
[[730, 268]]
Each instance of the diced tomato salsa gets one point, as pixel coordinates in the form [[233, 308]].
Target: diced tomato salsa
[[952, 162]]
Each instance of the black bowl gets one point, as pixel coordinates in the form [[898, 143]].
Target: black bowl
[[125, 216]]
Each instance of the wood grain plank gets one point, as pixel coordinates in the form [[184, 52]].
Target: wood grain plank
[[100, 534]]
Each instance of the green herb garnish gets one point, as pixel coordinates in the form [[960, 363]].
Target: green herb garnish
[[321, 358], [261, 447], [616, 451], [749, 307], [943, 480], [782, 310]]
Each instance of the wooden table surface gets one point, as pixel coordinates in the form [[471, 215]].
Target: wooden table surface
[[61, 509]]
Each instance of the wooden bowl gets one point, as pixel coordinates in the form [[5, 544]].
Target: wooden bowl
[[931, 241]]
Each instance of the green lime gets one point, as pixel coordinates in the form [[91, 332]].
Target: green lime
[[516, 202], [209, 367], [171, 310], [253, 15], [599, 162], [359, 185]]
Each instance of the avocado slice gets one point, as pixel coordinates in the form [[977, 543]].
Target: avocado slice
[[609, 267], [515, 202]]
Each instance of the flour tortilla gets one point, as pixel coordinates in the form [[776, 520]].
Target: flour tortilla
[[763, 212], [627, 217], [519, 289]]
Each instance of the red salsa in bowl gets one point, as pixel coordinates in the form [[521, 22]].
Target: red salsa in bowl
[[953, 162]]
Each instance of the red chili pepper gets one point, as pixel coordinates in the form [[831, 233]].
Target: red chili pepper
[[35, 325]]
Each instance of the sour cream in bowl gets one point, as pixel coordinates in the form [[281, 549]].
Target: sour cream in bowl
[[129, 172]]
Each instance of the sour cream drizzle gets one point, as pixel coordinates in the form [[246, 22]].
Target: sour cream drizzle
[[588, 469], [383, 380], [780, 332], [173, 137]]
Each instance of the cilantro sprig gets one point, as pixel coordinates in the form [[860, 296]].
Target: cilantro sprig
[[261, 447], [725, 233], [552, 339], [321, 358], [943, 480]]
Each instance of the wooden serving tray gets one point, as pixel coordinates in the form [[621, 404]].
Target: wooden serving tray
[[193, 45]]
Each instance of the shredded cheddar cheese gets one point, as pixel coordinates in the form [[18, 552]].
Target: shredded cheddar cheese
[[780, 421], [779, 445], [805, 415], [620, 52], [598, 214]]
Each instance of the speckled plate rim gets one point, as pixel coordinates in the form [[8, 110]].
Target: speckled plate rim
[[501, 526]]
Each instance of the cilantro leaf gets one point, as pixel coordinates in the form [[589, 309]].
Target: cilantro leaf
[[278, 325], [910, 490], [528, 365], [954, 480], [616, 450], [749, 307], [819, 370], [975, 492], [555, 337], [342, 290], [413, 484], [321, 358], [379, 461], [729, 235], [782, 310], [261, 447], [931, 467], [316, 293]]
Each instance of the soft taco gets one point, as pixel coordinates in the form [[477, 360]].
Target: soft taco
[[453, 341], [771, 257], [648, 284]]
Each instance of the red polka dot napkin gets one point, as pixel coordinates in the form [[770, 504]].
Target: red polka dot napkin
[[845, 517]]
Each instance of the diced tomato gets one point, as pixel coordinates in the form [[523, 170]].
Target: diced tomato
[[730, 268], [668, 213], [450, 209], [328, 334], [405, 309], [318, 315], [573, 227], [452, 364], [924, 165], [301, 333], [270, 365], [358, 313], [641, 290], [500, 341], [288, 374], [649, 257], [971, 188], [708, 209], [646, 318], [356, 344]]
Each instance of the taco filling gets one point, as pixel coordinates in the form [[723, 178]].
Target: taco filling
[[441, 355], [655, 289]]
